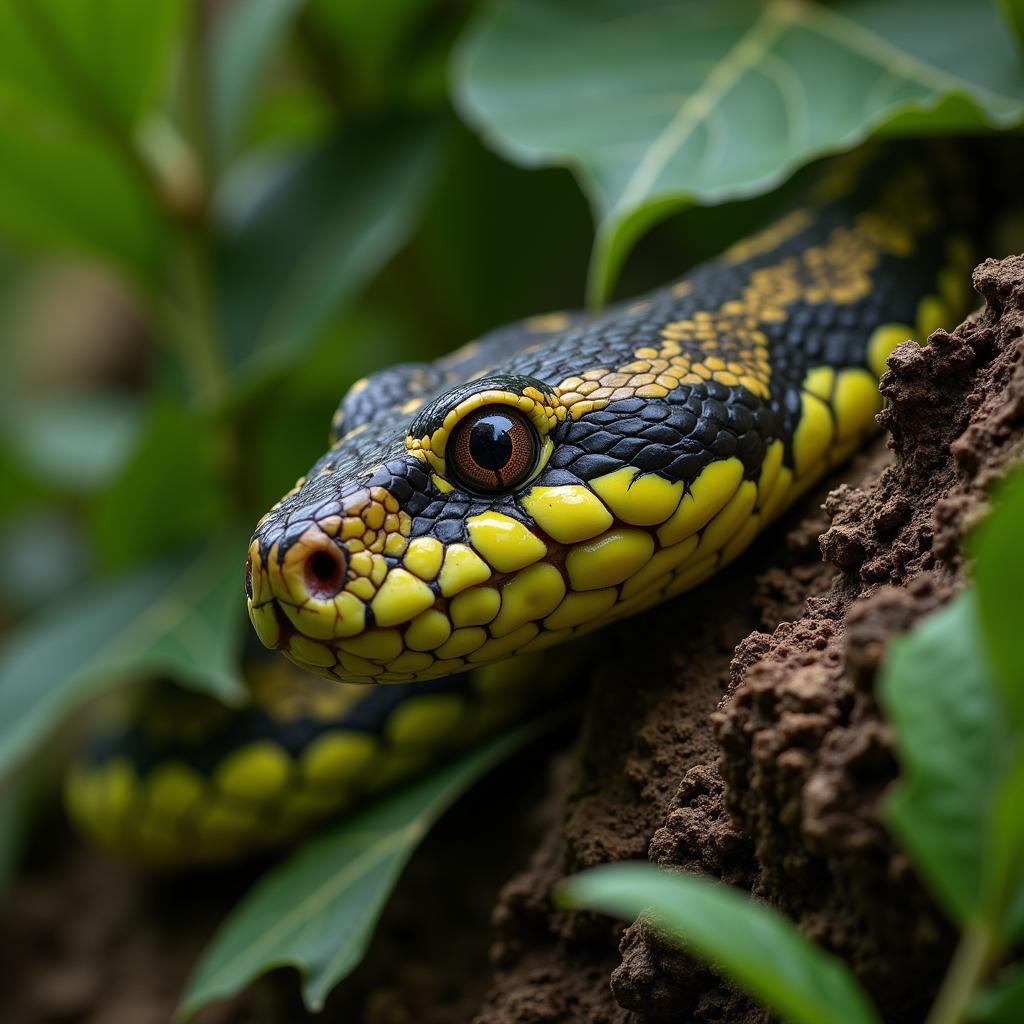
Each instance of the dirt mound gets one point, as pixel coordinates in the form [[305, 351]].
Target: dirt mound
[[781, 785]]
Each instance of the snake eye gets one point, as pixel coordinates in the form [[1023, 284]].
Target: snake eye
[[492, 449]]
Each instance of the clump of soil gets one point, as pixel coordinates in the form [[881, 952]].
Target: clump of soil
[[733, 732], [781, 786]]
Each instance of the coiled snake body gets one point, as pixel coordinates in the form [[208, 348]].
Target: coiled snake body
[[548, 479]]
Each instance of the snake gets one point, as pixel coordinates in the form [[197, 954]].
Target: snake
[[474, 513]]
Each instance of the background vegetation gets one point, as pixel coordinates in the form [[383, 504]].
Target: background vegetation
[[215, 216]]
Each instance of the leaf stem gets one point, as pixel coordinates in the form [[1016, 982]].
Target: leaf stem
[[974, 958], [197, 336], [193, 324]]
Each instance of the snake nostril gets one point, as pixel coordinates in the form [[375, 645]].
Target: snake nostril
[[325, 572]]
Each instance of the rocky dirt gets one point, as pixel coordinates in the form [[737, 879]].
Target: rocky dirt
[[733, 732]]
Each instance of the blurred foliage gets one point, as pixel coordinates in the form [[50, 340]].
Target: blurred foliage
[[1013, 12], [215, 215]]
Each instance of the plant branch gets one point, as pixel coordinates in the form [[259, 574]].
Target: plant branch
[[198, 336], [972, 962], [197, 328]]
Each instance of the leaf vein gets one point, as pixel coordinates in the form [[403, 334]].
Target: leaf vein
[[747, 52]]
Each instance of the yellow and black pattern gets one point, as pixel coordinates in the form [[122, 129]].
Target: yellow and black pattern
[[659, 439], [187, 780]]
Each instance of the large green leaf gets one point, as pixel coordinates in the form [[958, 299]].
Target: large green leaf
[[998, 548], [75, 80], [317, 911], [181, 620], [658, 103], [753, 945], [317, 229], [242, 43], [166, 495], [955, 745]]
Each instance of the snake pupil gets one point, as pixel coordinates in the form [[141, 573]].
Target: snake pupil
[[490, 442]]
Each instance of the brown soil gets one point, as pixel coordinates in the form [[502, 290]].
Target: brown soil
[[733, 732]]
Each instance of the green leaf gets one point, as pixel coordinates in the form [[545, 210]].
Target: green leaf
[[1005, 861], [181, 620], [102, 208], [998, 548], [316, 230], [166, 495], [658, 103], [72, 442], [1002, 1002], [1013, 12], [317, 911], [75, 79], [244, 39], [955, 746], [103, 62], [753, 945]]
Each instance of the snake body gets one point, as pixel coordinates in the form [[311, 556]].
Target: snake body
[[537, 484]]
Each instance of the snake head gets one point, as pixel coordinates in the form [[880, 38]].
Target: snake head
[[390, 557], [488, 520]]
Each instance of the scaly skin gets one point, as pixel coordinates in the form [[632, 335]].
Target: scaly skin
[[669, 430]]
